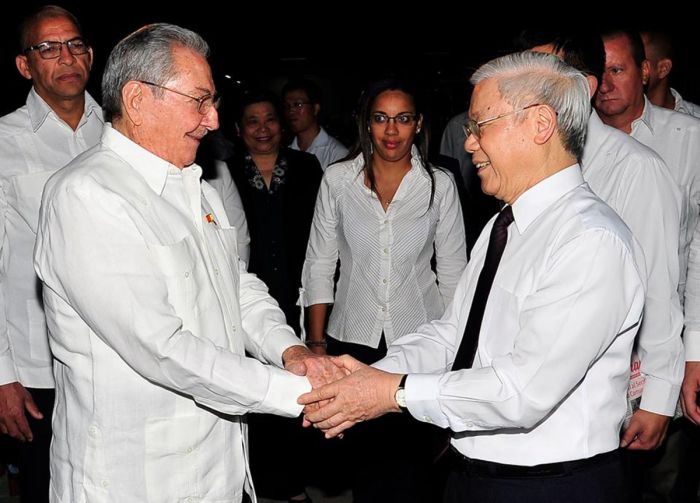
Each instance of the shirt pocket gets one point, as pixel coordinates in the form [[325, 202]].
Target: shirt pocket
[[177, 267], [171, 454], [28, 190], [500, 325]]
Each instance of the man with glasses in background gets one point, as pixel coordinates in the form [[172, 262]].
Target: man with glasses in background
[[302, 108], [151, 311], [58, 122]]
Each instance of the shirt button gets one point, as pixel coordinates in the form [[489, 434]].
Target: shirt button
[[469, 425], [92, 431], [216, 272], [427, 419], [189, 450], [386, 250], [105, 483], [187, 275], [384, 309], [384, 281], [233, 328], [386, 221]]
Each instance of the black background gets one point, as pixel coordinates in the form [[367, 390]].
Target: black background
[[343, 45]]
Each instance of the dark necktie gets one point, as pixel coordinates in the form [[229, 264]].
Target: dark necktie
[[497, 243]]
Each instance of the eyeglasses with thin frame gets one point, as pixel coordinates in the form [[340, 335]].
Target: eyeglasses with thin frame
[[296, 105], [51, 49], [204, 103], [403, 119], [474, 127]]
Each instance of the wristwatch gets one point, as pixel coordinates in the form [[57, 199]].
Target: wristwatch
[[400, 394]]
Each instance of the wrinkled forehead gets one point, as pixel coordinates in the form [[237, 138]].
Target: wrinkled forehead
[[49, 28], [486, 100]]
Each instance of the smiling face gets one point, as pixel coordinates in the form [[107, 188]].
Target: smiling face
[[260, 129], [172, 126], [59, 79], [497, 154], [392, 140]]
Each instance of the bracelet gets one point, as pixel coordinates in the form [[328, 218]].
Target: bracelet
[[316, 343]]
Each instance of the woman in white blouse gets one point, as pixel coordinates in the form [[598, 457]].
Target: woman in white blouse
[[384, 213]]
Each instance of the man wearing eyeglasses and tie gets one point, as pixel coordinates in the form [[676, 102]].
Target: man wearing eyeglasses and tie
[[58, 122], [529, 365]]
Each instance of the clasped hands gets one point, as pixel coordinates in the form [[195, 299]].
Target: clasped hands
[[345, 392]]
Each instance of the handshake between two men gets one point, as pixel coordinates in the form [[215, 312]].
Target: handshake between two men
[[345, 391]]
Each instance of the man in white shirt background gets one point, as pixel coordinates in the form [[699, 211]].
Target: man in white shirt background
[[658, 48], [58, 122], [675, 136], [302, 109], [538, 416], [150, 311]]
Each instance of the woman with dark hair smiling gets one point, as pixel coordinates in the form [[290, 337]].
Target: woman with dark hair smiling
[[385, 212]]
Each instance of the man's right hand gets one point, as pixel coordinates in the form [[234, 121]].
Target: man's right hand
[[14, 399], [689, 391]]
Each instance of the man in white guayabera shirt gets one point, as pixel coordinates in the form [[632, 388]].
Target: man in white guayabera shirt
[[58, 122], [150, 314]]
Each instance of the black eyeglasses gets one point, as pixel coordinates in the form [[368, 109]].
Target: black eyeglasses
[[51, 49], [296, 105], [204, 103], [404, 119], [473, 127]]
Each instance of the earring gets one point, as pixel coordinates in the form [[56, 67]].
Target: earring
[[417, 130]]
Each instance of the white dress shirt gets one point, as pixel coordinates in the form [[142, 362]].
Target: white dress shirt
[[676, 138], [684, 106], [34, 144], [386, 282], [226, 187], [550, 377], [634, 181], [150, 319], [326, 149]]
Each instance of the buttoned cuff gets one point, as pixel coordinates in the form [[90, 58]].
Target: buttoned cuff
[[659, 396], [691, 341], [422, 392], [8, 373], [283, 391], [277, 342]]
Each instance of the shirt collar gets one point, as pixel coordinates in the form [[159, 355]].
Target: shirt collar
[[534, 201], [647, 117], [151, 167], [416, 165], [39, 110]]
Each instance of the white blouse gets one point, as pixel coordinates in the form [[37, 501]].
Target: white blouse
[[386, 282]]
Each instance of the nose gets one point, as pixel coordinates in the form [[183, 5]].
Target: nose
[[606, 84], [471, 144], [211, 119], [391, 127], [66, 57]]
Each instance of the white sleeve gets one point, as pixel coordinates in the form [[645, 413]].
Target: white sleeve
[[91, 254]]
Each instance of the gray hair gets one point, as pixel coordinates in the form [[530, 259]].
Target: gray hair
[[528, 77], [146, 55]]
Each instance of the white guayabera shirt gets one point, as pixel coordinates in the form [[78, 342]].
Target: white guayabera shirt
[[150, 316]]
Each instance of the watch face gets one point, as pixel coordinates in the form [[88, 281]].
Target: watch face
[[400, 397]]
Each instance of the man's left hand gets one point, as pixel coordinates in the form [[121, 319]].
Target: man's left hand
[[645, 432], [365, 394]]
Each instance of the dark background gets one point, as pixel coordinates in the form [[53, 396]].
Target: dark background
[[344, 45]]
